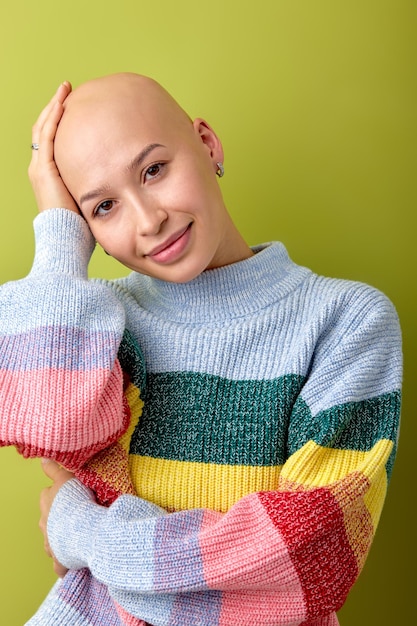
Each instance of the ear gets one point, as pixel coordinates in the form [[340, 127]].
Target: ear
[[210, 140]]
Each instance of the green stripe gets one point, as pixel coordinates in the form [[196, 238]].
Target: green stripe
[[350, 426], [131, 360], [203, 418]]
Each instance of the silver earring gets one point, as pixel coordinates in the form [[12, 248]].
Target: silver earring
[[220, 169]]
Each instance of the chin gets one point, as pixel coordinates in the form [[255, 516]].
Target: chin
[[183, 273], [181, 277]]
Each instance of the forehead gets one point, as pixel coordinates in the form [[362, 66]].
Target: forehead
[[115, 121], [99, 133]]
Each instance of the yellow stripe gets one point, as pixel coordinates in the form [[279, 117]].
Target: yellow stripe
[[179, 485], [316, 466], [375, 496], [135, 403]]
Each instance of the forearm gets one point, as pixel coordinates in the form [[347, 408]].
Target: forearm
[[293, 552], [61, 384]]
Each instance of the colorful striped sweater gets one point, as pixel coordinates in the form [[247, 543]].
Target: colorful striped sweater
[[263, 452]]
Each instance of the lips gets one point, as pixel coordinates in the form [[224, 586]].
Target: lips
[[171, 248]]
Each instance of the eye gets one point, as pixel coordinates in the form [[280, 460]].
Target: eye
[[103, 208], [153, 171]]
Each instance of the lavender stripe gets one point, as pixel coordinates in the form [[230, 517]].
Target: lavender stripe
[[58, 348]]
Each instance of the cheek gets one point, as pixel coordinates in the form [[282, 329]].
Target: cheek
[[104, 236], [197, 194], [90, 224], [116, 238]]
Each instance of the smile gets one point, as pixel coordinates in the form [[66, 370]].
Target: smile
[[172, 248]]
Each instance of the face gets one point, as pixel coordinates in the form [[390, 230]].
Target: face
[[145, 181]]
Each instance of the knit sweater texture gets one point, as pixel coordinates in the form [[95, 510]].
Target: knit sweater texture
[[260, 457]]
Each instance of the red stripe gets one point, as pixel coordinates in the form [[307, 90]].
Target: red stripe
[[312, 525]]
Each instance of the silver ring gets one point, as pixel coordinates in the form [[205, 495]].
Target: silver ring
[[35, 146]]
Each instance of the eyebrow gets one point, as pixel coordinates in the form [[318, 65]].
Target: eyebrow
[[94, 193], [135, 163]]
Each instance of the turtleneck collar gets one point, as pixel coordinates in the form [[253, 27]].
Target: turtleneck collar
[[227, 292]]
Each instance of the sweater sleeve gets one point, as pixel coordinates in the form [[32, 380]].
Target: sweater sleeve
[[286, 556], [61, 384]]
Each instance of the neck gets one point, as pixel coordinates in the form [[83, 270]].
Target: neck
[[233, 250]]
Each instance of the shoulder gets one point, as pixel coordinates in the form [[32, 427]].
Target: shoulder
[[356, 299], [337, 311], [314, 292], [354, 324]]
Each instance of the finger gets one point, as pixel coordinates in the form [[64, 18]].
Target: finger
[[63, 90], [59, 569], [50, 468], [44, 132], [47, 549], [56, 472], [53, 470], [46, 137], [59, 97], [45, 502]]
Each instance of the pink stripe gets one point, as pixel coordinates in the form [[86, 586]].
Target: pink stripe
[[246, 550], [63, 411], [266, 608]]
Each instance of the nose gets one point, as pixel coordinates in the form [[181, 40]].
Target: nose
[[149, 215]]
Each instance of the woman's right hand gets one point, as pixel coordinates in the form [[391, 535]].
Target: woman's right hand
[[48, 186]]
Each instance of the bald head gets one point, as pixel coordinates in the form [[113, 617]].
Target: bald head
[[102, 113], [119, 92]]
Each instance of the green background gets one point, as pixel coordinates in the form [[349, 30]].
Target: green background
[[315, 102]]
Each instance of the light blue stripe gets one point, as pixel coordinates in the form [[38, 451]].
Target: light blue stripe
[[198, 609], [154, 609], [70, 602], [177, 536], [58, 348]]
